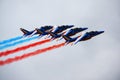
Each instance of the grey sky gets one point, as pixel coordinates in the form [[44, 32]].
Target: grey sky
[[96, 59]]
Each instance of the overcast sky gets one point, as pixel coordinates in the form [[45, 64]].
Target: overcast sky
[[96, 59]]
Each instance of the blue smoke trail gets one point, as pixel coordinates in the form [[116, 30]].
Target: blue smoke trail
[[10, 40], [18, 42]]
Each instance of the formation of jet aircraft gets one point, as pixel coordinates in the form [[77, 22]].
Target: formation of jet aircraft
[[61, 32]]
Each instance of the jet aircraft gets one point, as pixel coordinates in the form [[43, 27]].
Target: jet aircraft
[[26, 32], [58, 32], [88, 35], [60, 29], [43, 30], [74, 31]]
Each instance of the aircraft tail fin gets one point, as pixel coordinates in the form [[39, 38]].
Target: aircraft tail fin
[[51, 34], [38, 31], [24, 31], [66, 38]]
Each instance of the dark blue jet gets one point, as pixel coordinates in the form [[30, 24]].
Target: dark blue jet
[[57, 33], [74, 31], [60, 29], [26, 32], [69, 39], [89, 35], [43, 30]]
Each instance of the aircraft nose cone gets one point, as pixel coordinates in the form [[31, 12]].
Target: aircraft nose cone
[[71, 26], [82, 29], [97, 33], [100, 32], [85, 28]]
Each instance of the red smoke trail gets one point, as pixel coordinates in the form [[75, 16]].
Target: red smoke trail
[[39, 51], [23, 48]]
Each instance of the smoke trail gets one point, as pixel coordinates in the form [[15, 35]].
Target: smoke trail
[[10, 40], [18, 42], [39, 51], [23, 48]]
